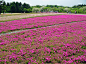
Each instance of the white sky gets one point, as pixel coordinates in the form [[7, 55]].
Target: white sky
[[51, 2]]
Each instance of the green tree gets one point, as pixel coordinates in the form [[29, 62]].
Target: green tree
[[13, 9], [26, 6], [0, 9], [38, 6], [82, 9], [55, 9], [35, 10], [66, 9], [8, 7], [60, 9], [1, 2], [4, 7], [8, 4]]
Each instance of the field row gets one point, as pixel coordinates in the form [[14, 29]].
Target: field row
[[37, 22], [58, 44], [14, 16]]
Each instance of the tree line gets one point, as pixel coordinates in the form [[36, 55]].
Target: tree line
[[63, 9], [18, 7], [15, 7]]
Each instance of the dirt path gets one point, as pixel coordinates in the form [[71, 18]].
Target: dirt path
[[36, 28]]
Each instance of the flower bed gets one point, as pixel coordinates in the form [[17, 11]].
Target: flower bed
[[39, 22], [58, 44]]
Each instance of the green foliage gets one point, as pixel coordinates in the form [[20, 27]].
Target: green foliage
[[0, 9], [26, 62], [3, 32], [18, 7], [60, 9], [35, 10], [26, 6], [73, 11], [55, 9], [4, 50], [79, 6], [83, 10], [67, 9], [19, 61], [15, 7], [7, 62], [84, 47], [1, 62]]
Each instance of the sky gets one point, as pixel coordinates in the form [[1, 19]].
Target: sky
[[50, 2]]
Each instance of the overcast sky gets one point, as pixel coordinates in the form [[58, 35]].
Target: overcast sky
[[51, 2]]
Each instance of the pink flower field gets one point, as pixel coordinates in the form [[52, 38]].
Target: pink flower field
[[61, 44], [37, 22]]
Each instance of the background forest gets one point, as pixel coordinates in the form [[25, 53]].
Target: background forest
[[18, 7]]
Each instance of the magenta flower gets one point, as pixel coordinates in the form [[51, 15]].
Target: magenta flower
[[48, 59]]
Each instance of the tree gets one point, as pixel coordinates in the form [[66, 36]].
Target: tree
[[4, 7], [60, 9], [55, 9], [26, 6], [49, 9], [36, 10], [29, 10], [1, 2], [13, 9], [43, 9], [66, 9], [0, 9], [8, 4], [38, 6], [8, 7], [17, 6], [82, 10]]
